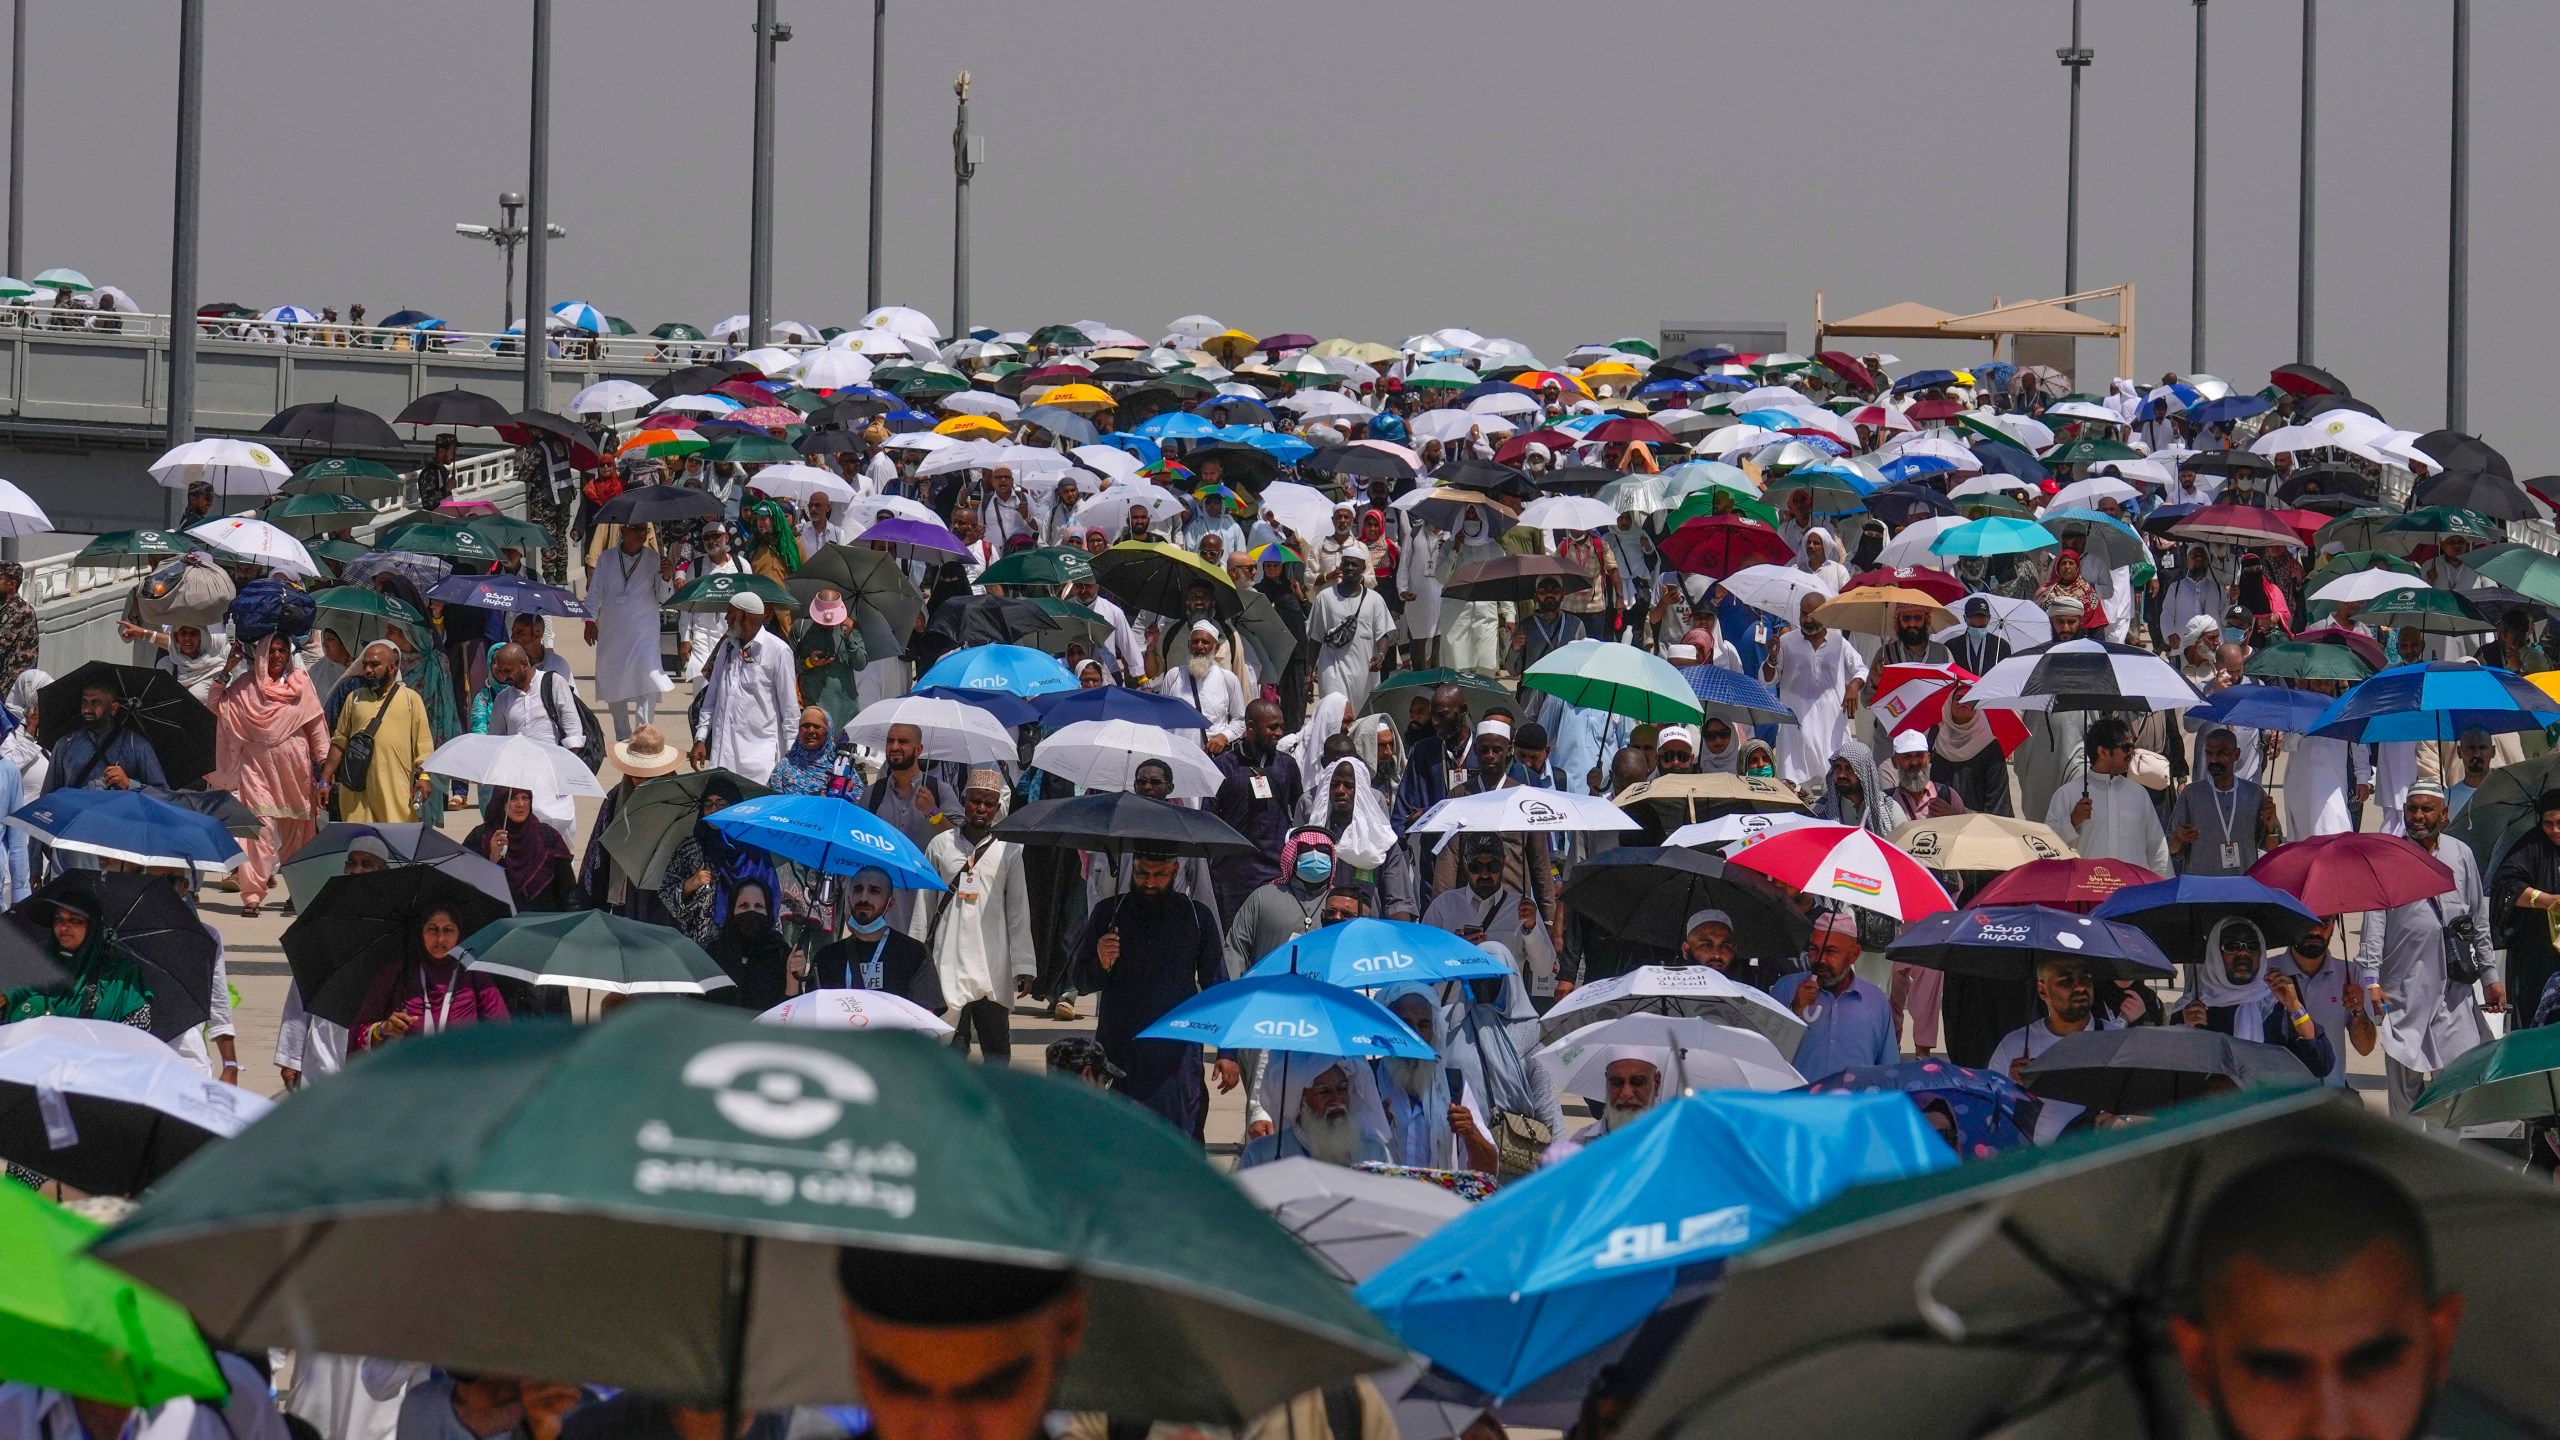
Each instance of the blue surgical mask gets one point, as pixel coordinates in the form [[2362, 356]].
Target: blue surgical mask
[[1315, 866], [2233, 635], [1978, 627], [871, 928]]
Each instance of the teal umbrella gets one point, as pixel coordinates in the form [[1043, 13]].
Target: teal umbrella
[[1617, 679], [591, 950], [341, 475], [137, 545], [307, 516]]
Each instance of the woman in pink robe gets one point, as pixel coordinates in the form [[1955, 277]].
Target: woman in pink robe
[[270, 737]]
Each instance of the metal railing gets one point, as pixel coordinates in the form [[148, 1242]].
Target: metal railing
[[569, 346]]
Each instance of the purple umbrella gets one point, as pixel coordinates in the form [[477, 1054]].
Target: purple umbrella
[[915, 539], [514, 594]]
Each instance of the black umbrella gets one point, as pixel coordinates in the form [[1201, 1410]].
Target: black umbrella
[[2331, 479], [2482, 492], [334, 424], [1366, 460], [2231, 462], [1123, 372], [2137, 1070], [691, 380], [1488, 477], [875, 587], [1577, 479], [1513, 577], [1900, 505], [222, 805], [830, 442], [119, 1143], [851, 410], [656, 504], [1648, 893], [2322, 404], [2304, 379], [1237, 465], [1117, 820], [456, 406], [25, 964], [987, 620], [157, 930], [358, 925], [175, 724], [532, 427], [2456, 451]]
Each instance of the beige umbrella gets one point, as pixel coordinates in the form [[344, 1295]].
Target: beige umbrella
[[1980, 842], [1870, 610]]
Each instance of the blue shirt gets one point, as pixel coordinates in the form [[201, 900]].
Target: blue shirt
[[1851, 1027], [74, 753]]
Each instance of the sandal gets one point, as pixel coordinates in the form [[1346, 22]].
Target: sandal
[[248, 909]]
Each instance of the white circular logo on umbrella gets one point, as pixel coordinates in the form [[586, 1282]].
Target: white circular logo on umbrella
[[777, 1100]]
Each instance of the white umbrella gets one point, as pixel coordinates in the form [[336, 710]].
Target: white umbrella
[[905, 320], [2086, 494], [796, 482], [695, 405], [1568, 512], [1444, 425], [1109, 510], [1690, 1053], [1028, 460], [1700, 991], [1325, 405], [951, 730], [1106, 754], [1302, 508], [230, 466], [1911, 546], [1523, 808], [958, 456], [771, 361], [119, 1080], [2157, 468], [1356, 1223], [1738, 437], [1931, 446], [983, 402], [514, 762], [259, 541], [791, 332], [2128, 679], [1777, 590], [2020, 622], [1110, 461], [872, 509], [611, 397], [730, 328], [1990, 482], [20, 515], [834, 370], [1734, 829], [1520, 403], [1192, 329], [1688, 422], [2364, 585], [2029, 432], [855, 1010], [924, 440]]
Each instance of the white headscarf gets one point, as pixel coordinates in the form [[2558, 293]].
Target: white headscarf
[[1418, 1125], [1366, 841], [1831, 569], [1323, 723], [1368, 1109], [2250, 1001]]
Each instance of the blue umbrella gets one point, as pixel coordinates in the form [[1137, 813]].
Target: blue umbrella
[[827, 834], [2007, 942], [2436, 700], [1922, 380], [2227, 409], [2262, 707], [1999, 459], [1015, 669], [1289, 1012], [1370, 954], [1010, 711], [906, 422], [129, 825], [1059, 709], [1992, 1112], [584, 316], [1287, 449], [515, 594], [1753, 702], [1176, 426], [1066, 424], [2179, 913], [409, 320], [2178, 401], [1912, 467], [1993, 535], [1559, 1263], [1149, 453]]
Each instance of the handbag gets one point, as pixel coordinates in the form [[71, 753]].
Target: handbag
[[1519, 1142], [355, 765], [2461, 941]]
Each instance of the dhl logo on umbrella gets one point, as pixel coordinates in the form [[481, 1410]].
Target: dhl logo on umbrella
[[1843, 878]]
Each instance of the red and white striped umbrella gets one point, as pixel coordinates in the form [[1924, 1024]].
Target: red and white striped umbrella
[[1847, 864], [1914, 697]]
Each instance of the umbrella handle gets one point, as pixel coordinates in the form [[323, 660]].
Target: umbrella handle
[[1941, 1261]]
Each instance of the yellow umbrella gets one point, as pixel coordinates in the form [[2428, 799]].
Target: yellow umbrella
[[973, 427], [1609, 371], [1229, 346], [2548, 681], [1870, 609], [1083, 399]]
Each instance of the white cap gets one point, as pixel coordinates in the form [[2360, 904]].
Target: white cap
[[1681, 733], [1355, 550], [1494, 725], [1910, 742], [747, 602], [1208, 628], [1679, 654]]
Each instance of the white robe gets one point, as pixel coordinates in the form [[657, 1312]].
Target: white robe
[[985, 943], [751, 706], [626, 609], [2122, 825], [2428, 1020], [2319, 779], [701, 629], [1814, 682], [1218, 696], [1344, 669], [1471, 630], [1418, 572]]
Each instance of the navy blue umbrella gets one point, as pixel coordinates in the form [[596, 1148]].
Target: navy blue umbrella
[[1238, 408], [515, 594], [1010, 711], [2437, 700], [2179, 913], [2227, 409], [1900, 505], [2262, 707], [1922, 380], [1999, 459], [2008, 942], [1731, 690], [1114, 702]]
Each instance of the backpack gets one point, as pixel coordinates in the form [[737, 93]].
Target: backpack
[[274, 606], [591, 745]]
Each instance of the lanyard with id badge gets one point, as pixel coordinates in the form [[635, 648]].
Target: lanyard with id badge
[[2227, 816]]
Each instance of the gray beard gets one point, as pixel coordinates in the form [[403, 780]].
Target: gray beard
[[1615, 1118], [1335, 1140], [1413, 1077], [1199, 666]]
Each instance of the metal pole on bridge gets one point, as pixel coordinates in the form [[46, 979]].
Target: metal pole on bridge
[[964, 164], [537, 222], [186, 207], [879, 71], [2195, 242], [2302, 225], [769, 36], [2457, 319], [18, 140]]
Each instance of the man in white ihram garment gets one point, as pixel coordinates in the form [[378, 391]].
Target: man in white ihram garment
[[749, 713], [1470, 630], [2428, 1018], [2326, 782], [2109, 815], [1818, 676], [1348, 620], [631, 585], [1207, 687]]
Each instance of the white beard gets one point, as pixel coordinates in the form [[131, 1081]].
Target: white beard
[[1618, 1117], [1334, 1140], [1413, 1077], [1199, 666]]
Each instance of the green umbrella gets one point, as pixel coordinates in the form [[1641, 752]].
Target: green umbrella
[[337, 553], [1060, 335], [1482, 693], [2423, 608], [1619, 679], [591, 950], [2307, 660], [2090, 452], [658, 1201], [1975, 507], [1077, 625], [76, 1325], [1184, 384], [2354, 562], [2516, 1077], [316, 513], [1258, 620], [885, 604], [676, 330], [2359, 529], [659, 813], [741, 448], [2432, 524], [1051, 565], [365, 600], [713, 592], [2520, 568], [448, 538], [2029, 1295], [138, 545], [502, 531], [364, 479], [616, 325], [2505, 809]]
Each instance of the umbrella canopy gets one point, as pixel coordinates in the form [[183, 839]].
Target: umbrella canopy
[[2142, 1068], [1373, 954], [2437, 700], [1519, 810], [360, 925], [2341, 874], [1776, 590], [2308, 660], [1671, 800], [657, 504], [136, 545], [1992, 1113], [1011, 669], [154, 928], [457, 406], [828, 834], [1720, 545], [1847, 864], [1690, 1053], [2505, 808], [2083, 675], [885, 604], [334, 424], [1648, 893], [1513, 577], [2008, 942], [1734, 695], [1875, 609], [1992, 535], [1559, 1263], [1053, 565], [1117, 702], [950, 730], [1974, 841], [1693, 991], [515, 594], [557, 1157], [232, 467], [2179, 913], [154, 706], [414, 843], [1105, 755], [2515, 1077], [1156, 577], [106, 1108], [2072, 884], [1353, 1222], [591, 950], [855, 1010], [655, 818], [1290, 1012], [258, 541], [77, 1325], [1617, 679], [2262, 707], [1116, 820], [513, 762], [2246, 525], [131, 826], [448, 539]]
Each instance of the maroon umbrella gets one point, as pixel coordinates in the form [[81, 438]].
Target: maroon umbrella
[[1628, 430], [1938, 585], [1928, 410], [1718, 545], [2236, 525], [1848, 367], [2366, 648], [1515, 449], [2306, 380], [1512, 577], [2079, 885], [2336, 874], [745, 392]]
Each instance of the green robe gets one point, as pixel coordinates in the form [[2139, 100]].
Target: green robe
[[830, 686], [105, 984]]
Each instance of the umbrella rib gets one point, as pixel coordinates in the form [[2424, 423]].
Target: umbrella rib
[[275, 1281]]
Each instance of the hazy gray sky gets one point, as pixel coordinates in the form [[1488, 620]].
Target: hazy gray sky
[[1554, 173]]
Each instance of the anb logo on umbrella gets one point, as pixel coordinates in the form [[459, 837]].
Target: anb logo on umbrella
[[776, 1102], [1388, 963], [1644, 1244], [1286, 1029]]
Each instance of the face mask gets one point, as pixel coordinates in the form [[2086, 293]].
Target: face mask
[[871, 928], [2233, 636], [752, 923], [1315, 867], [1978, 627], [1763, 771]]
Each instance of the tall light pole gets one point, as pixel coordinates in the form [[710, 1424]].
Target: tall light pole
[[507, 235], [2195, 241], [2075, 59], [964, 164], [537, 221], [2302, 232], [18, 138], [770, 34], [2457, 316], [185, 207], [879, 52]]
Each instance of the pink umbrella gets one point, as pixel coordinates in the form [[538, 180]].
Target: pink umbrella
[[2339, 874], [765, 417]]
